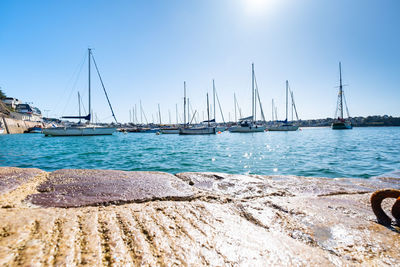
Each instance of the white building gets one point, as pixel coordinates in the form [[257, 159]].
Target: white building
[[11, 102]]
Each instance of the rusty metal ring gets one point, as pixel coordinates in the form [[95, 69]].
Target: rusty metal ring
[[376, 202]]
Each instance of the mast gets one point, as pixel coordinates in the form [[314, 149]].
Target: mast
[[287, 85], [341, 91], [79, 103], [234, 103], [136, 114], [184, 103], [272, 109], [188, 110], [159, 113], [90, 106], [215, 119], [252, 91], [141, 112], [169, 114], [176, 113], [208, 112]]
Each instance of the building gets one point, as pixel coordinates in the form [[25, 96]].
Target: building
[[11, 102], [27, 112]]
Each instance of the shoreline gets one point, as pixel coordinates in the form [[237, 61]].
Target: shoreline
[[101, 217]]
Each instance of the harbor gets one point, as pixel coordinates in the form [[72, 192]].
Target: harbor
[[199, 133]]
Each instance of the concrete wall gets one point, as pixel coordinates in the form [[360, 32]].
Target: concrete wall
[[14, 126]]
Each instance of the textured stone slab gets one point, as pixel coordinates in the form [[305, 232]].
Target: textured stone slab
[[251, 186], [228, 220], [76, 188], [11, 178]]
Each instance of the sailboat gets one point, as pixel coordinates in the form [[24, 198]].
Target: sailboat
[[199, 130], [340, 123], [248, 124], [285, 126], [84, 129]]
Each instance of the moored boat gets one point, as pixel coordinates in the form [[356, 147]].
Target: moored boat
[[85, 129], [340, 123], [197, 130], [35, 129], [79, 130], [169, 130], [284, 126], [248, 124]]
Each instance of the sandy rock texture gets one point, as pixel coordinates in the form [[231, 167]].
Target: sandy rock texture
[[115, 218]]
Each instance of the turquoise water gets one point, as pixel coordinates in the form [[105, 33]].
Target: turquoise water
[[361, 152]]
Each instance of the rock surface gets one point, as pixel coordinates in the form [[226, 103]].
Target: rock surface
[[194, 219], [76, 188]]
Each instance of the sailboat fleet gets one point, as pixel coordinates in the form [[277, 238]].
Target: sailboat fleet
[[248, 124]]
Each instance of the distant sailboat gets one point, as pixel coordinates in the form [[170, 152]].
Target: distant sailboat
[[285, 126], [340, 123], [199, 130], [249, 124], [87, 128]]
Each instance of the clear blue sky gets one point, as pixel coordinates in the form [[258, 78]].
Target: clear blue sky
[[146, 49]]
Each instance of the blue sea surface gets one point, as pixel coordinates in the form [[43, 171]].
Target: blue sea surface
[[319, 152]]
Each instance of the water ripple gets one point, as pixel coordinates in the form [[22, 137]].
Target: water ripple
[[361, 152]]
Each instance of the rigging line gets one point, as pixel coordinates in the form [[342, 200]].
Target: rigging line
[[345, 103], [294, 104], [141, 109], [240, 110], [191, 109], [259, 101], [83, 106], [337, 107], [78, 72], [193, 117], [220, 109], [104, 88]]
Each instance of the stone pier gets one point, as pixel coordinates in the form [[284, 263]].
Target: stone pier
[[118, 218]]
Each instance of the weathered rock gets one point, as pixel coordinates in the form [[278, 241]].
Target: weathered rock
[[76, 188], [11, 178], [220, 220]]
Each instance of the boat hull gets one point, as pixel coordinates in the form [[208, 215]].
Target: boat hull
[[79, 131], [35, 130], [170, 131], [283, 128], [247, 129], [341, 126], [197, 131]]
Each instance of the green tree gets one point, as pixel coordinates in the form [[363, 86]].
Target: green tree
[[2, 95]]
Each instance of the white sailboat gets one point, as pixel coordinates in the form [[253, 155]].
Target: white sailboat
[[199, 130], [84, 129], [285, 126], [248, 124]]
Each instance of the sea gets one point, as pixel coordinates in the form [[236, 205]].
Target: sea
[[316, 152]]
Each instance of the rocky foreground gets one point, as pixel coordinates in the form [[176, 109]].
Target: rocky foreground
[[101, 217]]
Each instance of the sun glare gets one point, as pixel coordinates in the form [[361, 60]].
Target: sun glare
[[258, 7]]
